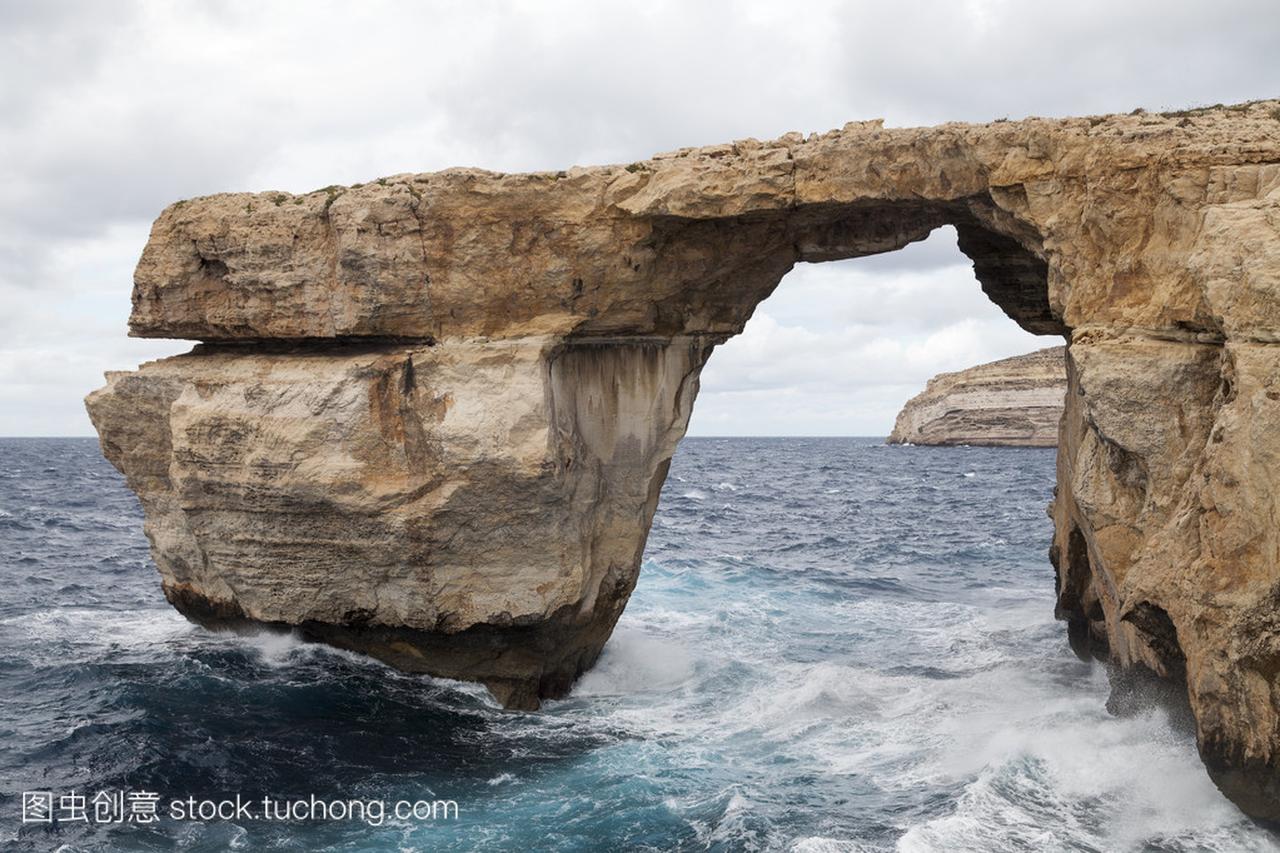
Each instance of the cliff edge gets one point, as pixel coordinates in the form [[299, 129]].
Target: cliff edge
[[1013, 402]]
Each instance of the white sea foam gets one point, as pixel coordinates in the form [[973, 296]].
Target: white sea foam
[[818, 844], [1085, 779], [1041, 764], [274, 648], [796, 695], [732, 827], [101, 631], [637, 662]]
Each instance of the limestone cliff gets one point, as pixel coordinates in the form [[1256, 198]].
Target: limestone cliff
[[432, 413], [1013, 402]]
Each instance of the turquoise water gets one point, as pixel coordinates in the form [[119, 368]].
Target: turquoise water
[[834, 645]]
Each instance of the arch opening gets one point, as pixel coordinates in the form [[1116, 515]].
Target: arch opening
[[839, 346]]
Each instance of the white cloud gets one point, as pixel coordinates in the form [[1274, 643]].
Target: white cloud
[[839, 347], [113, 110]]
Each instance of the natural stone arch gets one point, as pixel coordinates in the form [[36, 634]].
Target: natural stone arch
[[433, 413]]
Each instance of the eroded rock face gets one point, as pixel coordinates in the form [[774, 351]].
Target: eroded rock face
[[433, 413], [1013, 402], [470, 509]]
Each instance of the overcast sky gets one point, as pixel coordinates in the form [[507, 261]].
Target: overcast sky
[[111, 110]]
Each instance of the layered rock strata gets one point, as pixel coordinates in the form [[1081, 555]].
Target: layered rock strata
[[431, 414], [1013, 402]]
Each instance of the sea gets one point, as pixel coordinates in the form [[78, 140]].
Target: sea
[[834, 645]]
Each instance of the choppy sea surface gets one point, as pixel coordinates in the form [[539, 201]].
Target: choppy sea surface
[[834, 645]]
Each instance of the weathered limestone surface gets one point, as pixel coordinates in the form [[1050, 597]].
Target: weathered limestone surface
[[1013, 402], [432, 413]]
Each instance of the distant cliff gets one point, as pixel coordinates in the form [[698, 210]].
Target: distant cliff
[[1013, 402]]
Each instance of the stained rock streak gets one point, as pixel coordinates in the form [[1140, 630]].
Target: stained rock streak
[[431, 414]]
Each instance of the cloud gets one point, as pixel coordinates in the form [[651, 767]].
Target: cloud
[[840, 346], [111, 111]]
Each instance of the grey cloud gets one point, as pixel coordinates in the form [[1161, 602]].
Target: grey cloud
[[46, 46], [113, 110], [939, 250], [922, 286]]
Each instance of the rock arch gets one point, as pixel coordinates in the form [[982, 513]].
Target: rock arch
[[431, 415]]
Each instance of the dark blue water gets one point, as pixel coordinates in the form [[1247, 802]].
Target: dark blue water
[[834, 645]]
